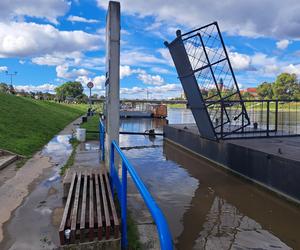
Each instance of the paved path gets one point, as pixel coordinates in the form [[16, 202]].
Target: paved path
[[14, 190]]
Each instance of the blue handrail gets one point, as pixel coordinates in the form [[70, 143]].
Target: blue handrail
[[121, 187], [101, 140]]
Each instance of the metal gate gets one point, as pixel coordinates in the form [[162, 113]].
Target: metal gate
[[209, 83]]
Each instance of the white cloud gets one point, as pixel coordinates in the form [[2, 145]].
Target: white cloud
[[282, 44], [132, 91], [239, 61], [139, 58], [81, 19], [248, 18], [31, 39], [39, 88], [74, 59], [125, 71], [62, 71], [160, 70], [166, 56], [97, 80], [261, 59], [3, 68], [292, 69], [45, 9], [150, 79], [158, 92], [55, 59]]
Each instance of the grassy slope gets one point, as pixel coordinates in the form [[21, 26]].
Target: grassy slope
[[93, 125], [27, 124]]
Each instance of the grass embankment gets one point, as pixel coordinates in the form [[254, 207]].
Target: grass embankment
[[92, 125], [27, 124], [176, 105]]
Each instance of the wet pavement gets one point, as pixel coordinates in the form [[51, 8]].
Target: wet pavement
[[34, 224]]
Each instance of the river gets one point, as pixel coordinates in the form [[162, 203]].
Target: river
[[205, 206]]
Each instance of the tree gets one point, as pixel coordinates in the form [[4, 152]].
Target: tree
[[247, 96], [69, 89], [265, 90], [4, 88], [286, 86]]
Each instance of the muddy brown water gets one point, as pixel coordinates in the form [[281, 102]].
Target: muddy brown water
[[207, 207]]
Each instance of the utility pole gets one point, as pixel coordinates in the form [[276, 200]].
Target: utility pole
[[11, 76]]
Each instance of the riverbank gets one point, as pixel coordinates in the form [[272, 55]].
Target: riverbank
[[28, 124]]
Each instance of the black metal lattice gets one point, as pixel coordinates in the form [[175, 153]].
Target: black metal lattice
[[212, 69]]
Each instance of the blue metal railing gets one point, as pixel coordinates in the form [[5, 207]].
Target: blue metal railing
[[121, 187], [101, 140]]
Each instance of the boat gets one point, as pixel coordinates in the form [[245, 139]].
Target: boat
[[146, 110]]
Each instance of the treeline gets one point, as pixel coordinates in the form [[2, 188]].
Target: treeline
[[285, 87], [69, 92], [9, 89]]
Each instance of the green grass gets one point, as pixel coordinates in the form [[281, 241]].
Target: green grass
[[132, 230], [70, 161], [132, 233], [92, 125], [27, 124], [176, 105], [20, 163]]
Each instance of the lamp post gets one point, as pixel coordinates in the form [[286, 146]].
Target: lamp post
[[11, 76]]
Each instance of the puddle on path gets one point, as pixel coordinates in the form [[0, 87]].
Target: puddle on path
[[31, 225]]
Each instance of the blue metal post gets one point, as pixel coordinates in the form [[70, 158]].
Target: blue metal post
[[124, 206], [102, 140], [165, 236], [103, 150], [112, 166], [100, 147]]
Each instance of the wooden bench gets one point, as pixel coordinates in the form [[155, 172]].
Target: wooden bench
[[90, 213]]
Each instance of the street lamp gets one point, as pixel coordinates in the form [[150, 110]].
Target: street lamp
[[11, 75]]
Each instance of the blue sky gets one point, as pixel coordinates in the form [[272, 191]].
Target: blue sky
[[50, 42]]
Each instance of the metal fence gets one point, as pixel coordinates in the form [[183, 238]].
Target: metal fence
[[121, 187], [268, 118]]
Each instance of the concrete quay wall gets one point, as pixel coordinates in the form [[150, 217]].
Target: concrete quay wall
[[278, 173]]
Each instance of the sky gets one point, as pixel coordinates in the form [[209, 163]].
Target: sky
[[49, 42]]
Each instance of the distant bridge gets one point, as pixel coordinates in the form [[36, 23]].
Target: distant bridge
[[152, 101]]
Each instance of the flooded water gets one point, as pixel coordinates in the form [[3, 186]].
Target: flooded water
[[32, 225], [207, 207]]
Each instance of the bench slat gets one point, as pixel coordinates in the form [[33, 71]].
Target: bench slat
[[91, 213], [98, 202], [112, 205], [89, 207], [75, 209], [66, 211], [105, 206], [83, 208]]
